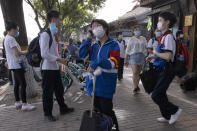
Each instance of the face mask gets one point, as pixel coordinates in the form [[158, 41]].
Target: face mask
[[97, 39], [137, 33], [120, 37], [160, 26], [158, 34], [181, 36], [99, 32], [53, 28], [16, 35]]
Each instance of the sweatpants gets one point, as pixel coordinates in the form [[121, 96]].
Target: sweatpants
[[159, 96]]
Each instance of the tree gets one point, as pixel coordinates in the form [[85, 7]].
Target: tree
[[13, 11], [75, 13]]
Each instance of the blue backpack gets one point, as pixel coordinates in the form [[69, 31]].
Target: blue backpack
[[34, 54]]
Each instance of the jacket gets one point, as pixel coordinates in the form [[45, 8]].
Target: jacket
[[106, 57]]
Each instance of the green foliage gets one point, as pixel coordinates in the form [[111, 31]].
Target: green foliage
[[75, 13]]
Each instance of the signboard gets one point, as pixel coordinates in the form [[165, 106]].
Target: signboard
[[189, 20], [164, 8]]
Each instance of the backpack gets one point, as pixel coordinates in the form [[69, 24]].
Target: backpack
[[34, 54], [178, 66], [182, 50]]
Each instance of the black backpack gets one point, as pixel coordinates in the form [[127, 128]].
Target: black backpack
[[34, 54]]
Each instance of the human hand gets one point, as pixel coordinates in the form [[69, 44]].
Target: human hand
[[62, 61], [149, 58], [90, 70], [90, 34]]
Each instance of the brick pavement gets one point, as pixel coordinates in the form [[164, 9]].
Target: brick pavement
[[135, 113]]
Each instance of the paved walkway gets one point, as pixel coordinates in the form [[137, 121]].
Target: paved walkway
[[135, 113]]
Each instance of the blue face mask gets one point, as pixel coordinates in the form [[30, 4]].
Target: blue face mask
[[158, 34], [137, 33], [16, 35], [53, 28]]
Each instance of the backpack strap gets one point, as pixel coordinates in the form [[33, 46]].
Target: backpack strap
[[50, 42], [153, 40], [51, 38], [164, 37]]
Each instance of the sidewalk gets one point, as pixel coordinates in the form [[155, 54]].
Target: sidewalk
[[135, 113]]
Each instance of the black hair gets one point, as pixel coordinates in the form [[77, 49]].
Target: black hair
[[52, 14], [10, 25], [103, 23], [168, 16], [5, 33], [178, 33], [70, 41]]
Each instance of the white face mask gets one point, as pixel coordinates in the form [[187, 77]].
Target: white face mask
[[160, 26], [99, 32]]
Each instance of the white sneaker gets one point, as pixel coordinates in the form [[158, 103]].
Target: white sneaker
[[162, 120], [174, 117], [18, 105], [27, 107]]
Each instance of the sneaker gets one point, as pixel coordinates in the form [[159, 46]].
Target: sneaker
[[28, 107], [68, 110], [174, 117], [18, 105], [162, 120]]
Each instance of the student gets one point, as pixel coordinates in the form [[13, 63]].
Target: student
[[72, 48], [182, 57], [122, 46], [135, 55], [51, 69], [153, 43], [164, 56], [13, 55], [105, 53]]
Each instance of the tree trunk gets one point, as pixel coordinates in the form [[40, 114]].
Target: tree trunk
[[13, 11], [31, 83]]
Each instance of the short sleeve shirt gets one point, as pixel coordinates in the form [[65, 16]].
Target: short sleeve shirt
[[12, 59], [169, 44], [152, 43]]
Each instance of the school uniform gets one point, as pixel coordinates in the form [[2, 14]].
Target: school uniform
[[106, 57], [164, 75], [51, 77]]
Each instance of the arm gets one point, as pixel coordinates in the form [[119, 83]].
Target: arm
[[150, 46], [145, 47], [13, 44], [166, 56], [44, 47], [114, 58], [170, 46], [18, 52], [84, 48], [150, 50]]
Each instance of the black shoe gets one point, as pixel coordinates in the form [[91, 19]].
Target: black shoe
[[50, 118], [68, 110], [138, 89]]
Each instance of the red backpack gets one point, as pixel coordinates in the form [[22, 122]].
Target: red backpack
[[181, 49]]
